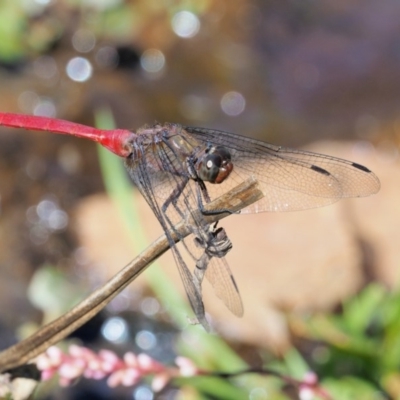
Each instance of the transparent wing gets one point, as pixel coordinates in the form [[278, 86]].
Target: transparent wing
[[220, 276], [290, 179]]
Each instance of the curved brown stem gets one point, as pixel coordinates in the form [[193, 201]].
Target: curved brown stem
[[239, 197]]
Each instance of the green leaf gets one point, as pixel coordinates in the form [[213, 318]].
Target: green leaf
[[359, 311], [351, 388], [295, 364], [51, 291]]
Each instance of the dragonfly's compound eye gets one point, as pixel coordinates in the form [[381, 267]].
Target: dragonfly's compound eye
[[215, 166], [209, 167]]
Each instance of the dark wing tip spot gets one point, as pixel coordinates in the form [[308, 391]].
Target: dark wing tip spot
[[320, 170], [361, 167], [234, 283]]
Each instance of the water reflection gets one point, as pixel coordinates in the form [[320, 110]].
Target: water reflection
[[195, 107], [143, 392], [146, 340], [46, 217], [115, 329], [233, 103], [31, 103], [107, 57], [185, 24], [152, 61], [83, 40], [45, 67], [45, 107], [150, 306], [79, 69]]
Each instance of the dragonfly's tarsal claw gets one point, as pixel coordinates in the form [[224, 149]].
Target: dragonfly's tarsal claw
[[199, 321]]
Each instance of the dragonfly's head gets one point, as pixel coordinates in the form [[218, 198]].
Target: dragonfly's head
[[214, 164]]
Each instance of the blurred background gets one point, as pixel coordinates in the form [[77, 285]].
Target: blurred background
[[320, 74]]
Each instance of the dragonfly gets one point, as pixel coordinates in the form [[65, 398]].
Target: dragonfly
[[180, 168]]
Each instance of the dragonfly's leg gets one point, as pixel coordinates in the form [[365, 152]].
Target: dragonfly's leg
[[200, 270], [216, 245], [220, 244], [174, 196], [173, 199], [202, 192]]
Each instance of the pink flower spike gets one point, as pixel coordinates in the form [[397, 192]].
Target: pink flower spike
[[94, 364], [131, 377], [56, 356], [81, 352], [64, 382], [72, 369], [115, 379], [97, 375], [80, 361], [47, 374], [131, 359], [43, 362], [107, 367], [306, 393], [109, 360], [310, 378], [308, 388], [76, 351], [160, 381], [148, 364], [186, 366]]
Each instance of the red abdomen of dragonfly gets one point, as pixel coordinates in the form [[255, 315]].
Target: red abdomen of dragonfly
[[115, 140], [214, 164]]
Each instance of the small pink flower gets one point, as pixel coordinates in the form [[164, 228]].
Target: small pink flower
[[131, 377], [128, 371], [125, 376], [115, 378], [109, 361], [310, 378], [148, 364], [55, 355], [49, 362], [186, 366], [131, 359], [309, 388], [72, 369], [160, 380], [47, 374]]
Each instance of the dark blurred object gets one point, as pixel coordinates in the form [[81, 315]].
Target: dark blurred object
[[13, 67], [19, 383], [128, 58], [25, 371], [90, 332]]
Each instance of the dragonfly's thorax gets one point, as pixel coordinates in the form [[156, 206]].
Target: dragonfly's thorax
[[166, 148], [180, 141], [212, 164]]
